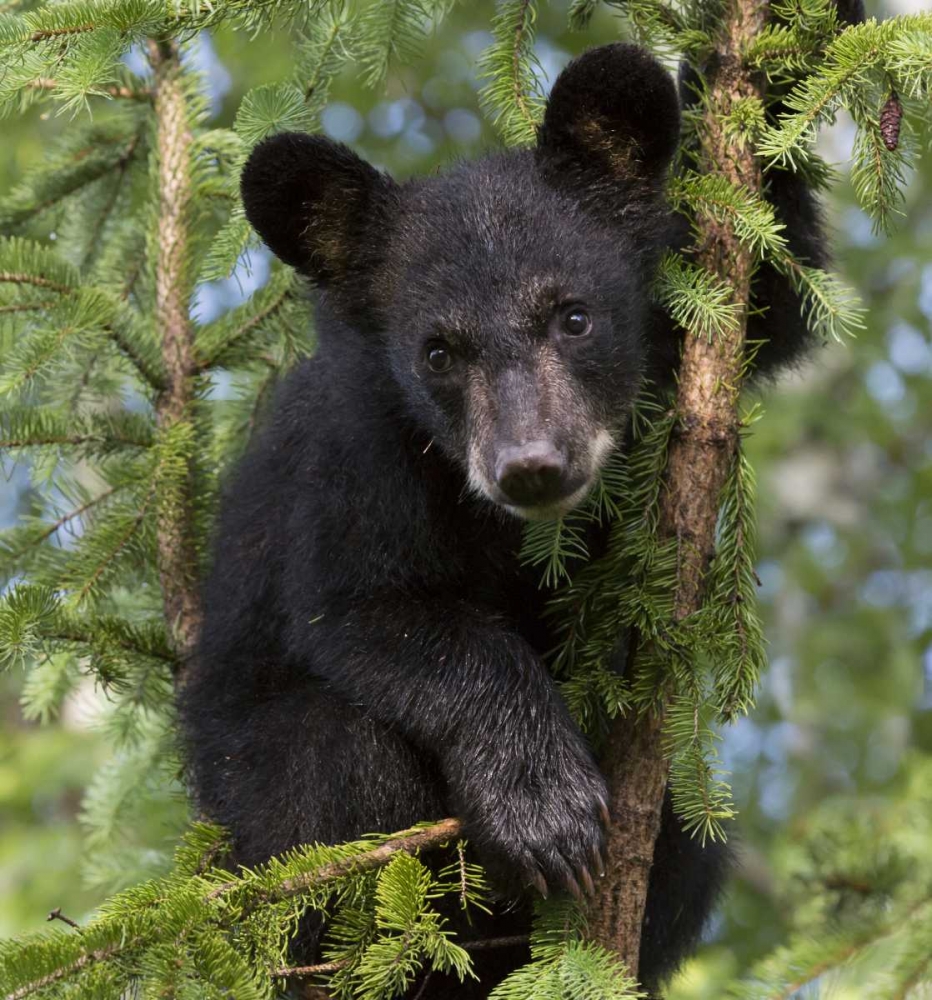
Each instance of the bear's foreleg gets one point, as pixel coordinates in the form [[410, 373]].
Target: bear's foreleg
[[470, 693]]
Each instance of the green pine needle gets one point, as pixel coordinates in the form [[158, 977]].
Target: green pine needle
[[512, 95]]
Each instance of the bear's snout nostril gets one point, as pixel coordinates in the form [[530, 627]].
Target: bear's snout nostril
[[531, 474]]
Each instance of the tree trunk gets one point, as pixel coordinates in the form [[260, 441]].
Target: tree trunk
[[177, 544], [701, 454]]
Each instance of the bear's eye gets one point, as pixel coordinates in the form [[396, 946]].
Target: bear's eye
[[576, 322], [439, 357]]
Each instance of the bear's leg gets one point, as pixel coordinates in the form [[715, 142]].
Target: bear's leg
[[685, 881]]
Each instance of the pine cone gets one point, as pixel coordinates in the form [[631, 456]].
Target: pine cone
[[890, 115]]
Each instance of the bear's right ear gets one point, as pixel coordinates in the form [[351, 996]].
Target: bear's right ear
[[613, 117], [316, 204]]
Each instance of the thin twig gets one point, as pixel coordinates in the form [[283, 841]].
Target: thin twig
[[68, 439], [16, 278], [244, 329], [61, 521], [303, 971], [18, 307], [126, 93], [483, 944], [57, 914], [48, 33]]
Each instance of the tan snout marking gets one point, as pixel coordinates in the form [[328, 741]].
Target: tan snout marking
[[556, 402], [480, 419]]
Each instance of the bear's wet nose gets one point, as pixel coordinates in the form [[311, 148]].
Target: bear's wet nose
[[531, 474]]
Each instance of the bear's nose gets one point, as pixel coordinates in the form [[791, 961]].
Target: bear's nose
[[531, 474]]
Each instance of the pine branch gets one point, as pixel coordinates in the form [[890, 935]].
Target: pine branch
[[700, 457], [580, 13], [563, 966], [131, 350], [74, 440], [161, 910], [19, 307], [177, 553], [409, 842], [125, 93], [47, 34], [36, 280], [389, 29], [120, 544], [512, 94], [69, 169], [732, 588], [81, 308], [96, 433], [217, 343], [34, 621], [322, 53], [85, 638], [795, 966], [306, 971], [695, 299], [61, 521], [96, 955]]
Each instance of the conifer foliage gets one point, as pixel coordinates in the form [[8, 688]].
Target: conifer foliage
[[106, 389]]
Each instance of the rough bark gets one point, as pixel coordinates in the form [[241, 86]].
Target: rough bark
[[636, 773], [177, 548], [699, 461]]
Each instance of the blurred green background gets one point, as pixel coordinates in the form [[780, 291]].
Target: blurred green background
[[844, 457]]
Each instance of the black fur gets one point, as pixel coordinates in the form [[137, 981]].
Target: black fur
[[608, 130], [371, 653]]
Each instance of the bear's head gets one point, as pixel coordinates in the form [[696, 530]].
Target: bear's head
[[511, 295]]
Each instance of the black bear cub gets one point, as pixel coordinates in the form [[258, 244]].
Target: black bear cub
[[372, 651]]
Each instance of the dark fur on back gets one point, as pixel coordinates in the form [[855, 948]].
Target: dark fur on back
[[372, 651]]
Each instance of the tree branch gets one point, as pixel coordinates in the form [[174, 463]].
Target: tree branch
[[68, 439], [177, 549], [126, 93], [16, 278], [245, 328], [305, 971], [47, 34], [64, 519], [409, 841], [88, 958], [700, 456], [18, 307]]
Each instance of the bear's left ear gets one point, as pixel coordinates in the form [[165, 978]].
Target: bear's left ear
[[613, 114], [317, 205]]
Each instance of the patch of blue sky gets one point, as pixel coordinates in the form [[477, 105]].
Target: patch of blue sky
[[214, 298]]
